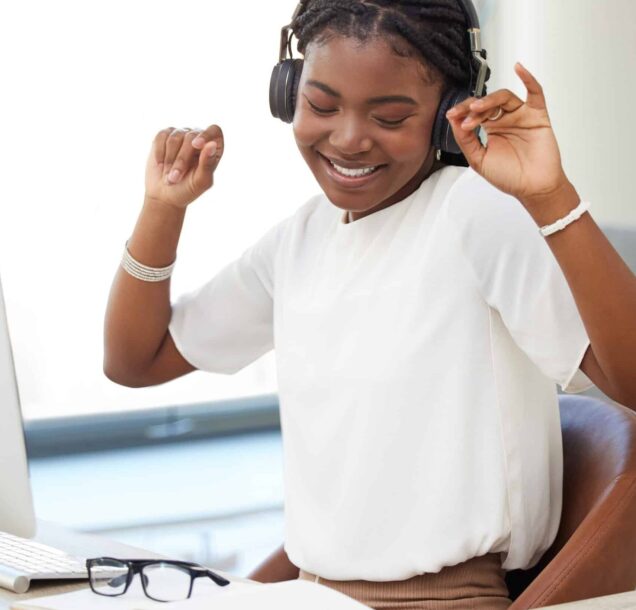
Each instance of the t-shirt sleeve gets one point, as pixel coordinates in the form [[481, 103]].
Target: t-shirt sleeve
[[227, 323], [519, 276]]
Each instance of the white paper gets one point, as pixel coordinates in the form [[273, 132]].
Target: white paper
[[291, 594], [203, 589]]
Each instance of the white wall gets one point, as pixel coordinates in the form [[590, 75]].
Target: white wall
[[583, 52], [86, 86]]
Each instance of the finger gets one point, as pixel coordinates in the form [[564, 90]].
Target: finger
[[185, 159], [468, 120], [469, 143], [535, 98], [208, 161], [173, 145], [488, 106], [159, 144], [213, 132], [461, 109]]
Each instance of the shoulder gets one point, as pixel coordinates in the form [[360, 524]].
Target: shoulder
[[309, 222], [481, 213], [473, 200], [291, 224], [314, 208]]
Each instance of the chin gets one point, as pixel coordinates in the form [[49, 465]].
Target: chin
[[358, 202], [355, 200]]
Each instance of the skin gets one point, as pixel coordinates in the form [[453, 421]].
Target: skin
[[354, 128]]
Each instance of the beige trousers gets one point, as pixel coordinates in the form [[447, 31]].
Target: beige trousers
[[476, 584]]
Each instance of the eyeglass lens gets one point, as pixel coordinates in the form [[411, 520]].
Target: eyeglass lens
[[161, 581], [166, 582], [108, 577]]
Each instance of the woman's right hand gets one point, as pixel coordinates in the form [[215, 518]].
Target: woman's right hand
[[181, 164]]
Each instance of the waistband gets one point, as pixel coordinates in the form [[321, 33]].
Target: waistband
[[473, 584]]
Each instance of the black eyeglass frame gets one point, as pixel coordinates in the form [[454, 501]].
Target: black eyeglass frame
[[136, 566]]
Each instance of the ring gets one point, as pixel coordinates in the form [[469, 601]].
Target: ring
[[497, 116]]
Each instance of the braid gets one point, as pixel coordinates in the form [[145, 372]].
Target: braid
[[434, 28]]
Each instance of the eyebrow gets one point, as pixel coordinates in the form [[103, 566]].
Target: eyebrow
[[383, 99]]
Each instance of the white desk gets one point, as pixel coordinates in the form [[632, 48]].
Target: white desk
[[82, 545], [85, 545]]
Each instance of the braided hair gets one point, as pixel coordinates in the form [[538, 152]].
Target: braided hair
[[435, 29]]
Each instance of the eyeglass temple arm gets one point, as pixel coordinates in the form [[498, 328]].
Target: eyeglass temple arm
[[219, 580]]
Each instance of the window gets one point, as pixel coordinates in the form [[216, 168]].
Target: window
[[87, 86]]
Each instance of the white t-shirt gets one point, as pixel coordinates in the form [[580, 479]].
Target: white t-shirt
[[417, 352]]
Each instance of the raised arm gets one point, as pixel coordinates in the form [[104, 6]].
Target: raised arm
[[522, 159], [138, 349], [604, 290]]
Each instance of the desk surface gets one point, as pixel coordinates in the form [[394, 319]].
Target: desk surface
[[85, 545], [82, 545]]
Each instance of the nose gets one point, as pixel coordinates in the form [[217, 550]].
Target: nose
[[349, 136]]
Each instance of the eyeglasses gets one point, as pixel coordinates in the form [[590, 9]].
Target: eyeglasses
[[161, 580]]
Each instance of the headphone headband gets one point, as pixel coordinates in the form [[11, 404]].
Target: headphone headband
[[285, 35], [471, 14], [286, 77], [474, 32]]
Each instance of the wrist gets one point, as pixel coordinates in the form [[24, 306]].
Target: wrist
[[548, 208], [159, 206]]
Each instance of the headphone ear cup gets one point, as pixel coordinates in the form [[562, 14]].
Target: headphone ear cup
[[443, 138], [273, 91], [283, 89], [298, 70]]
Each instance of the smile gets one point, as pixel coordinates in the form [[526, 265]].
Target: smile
[[354, 173], [349, 176]]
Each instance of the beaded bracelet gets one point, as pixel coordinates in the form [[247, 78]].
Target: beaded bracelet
[[143, 272], [560, 224]]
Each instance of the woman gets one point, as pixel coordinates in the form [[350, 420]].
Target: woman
[[420, 319]]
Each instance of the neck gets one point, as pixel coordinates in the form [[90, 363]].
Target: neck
[[430, 166]]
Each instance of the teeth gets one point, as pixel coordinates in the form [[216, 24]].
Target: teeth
[[353, 173]]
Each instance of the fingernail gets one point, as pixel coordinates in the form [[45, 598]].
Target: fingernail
[[173, 176], [198, 142], [212, 149]]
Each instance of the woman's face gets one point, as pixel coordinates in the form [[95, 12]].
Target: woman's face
[[370, 112]]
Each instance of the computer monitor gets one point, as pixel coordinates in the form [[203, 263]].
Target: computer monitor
[[17, 515]]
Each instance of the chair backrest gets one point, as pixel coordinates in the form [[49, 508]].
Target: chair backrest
[[594, 552]]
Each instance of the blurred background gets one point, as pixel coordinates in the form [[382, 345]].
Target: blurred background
[[87, 86]]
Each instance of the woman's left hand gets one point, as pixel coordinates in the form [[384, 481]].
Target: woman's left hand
[[522, 156]]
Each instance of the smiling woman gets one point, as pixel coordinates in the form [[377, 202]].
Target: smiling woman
[[418, 346], [392, 332], [370, 147]]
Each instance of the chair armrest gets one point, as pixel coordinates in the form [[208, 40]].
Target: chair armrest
[[275, 568]]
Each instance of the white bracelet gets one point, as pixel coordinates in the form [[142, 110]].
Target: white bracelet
[[143, 272], [560, 224]]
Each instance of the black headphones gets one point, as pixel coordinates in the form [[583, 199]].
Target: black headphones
[[283, 85]]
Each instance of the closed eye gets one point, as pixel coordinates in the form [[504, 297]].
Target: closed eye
[[317, 109], [381, 121], [391, 123]]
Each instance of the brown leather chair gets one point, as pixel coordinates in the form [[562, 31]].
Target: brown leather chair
[[594, 552]]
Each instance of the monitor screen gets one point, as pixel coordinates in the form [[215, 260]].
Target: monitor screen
[[16, 502]]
